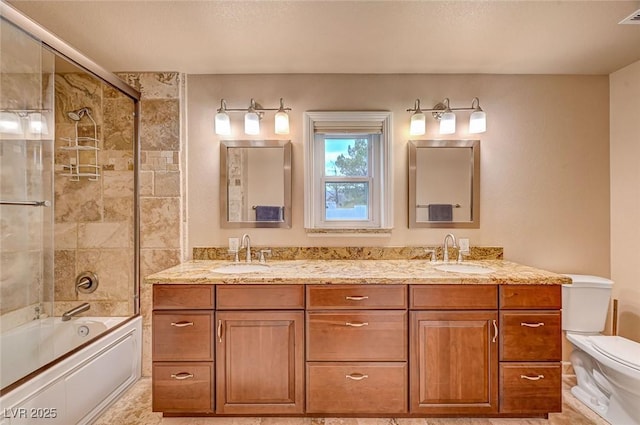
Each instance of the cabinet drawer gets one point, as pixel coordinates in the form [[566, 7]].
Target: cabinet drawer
[[367, 388], [260, 297], [530, 336], [537, 297], [182, 335], [182, 387], [334, 297], [530, 387], [172, 297], [377, 335], [454, 297]]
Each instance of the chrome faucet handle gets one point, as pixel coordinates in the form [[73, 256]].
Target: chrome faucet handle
[[462, 254], [263, 253], [234, 252], [432, 257]]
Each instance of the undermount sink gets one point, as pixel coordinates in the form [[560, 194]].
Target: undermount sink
[[236, 268], [464, 268]]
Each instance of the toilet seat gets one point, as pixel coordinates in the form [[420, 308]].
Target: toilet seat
[[619, 349]]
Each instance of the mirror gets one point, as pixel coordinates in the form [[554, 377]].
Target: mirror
[[255, 183], [444, 183]]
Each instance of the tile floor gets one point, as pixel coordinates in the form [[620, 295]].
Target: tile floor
[[134, 408]]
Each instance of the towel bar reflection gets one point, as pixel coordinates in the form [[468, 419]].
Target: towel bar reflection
[[427, 205], [27, 203]]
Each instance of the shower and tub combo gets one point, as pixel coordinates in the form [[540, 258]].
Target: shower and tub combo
[[68, 183]]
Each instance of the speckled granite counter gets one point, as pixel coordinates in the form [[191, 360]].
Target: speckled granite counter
[[356, 272]]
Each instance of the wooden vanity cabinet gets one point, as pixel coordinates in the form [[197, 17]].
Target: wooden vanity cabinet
[[356, 349], [259, 349], [530, 349], [182, 348], [371, 350], [453, 349]]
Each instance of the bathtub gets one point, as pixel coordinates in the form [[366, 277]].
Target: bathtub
[[76, 388]]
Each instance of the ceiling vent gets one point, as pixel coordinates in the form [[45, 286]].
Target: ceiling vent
[[634, 18]]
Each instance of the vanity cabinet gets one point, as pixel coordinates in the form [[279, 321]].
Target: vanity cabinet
[[182, 348], [454, 350], [530, 349], [259, 349], [356, 349], [374, 350]]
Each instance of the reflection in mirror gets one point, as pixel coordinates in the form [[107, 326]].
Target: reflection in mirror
[[444, 183], [255, 183]]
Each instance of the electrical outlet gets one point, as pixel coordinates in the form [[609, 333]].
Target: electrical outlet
[[463, 244]]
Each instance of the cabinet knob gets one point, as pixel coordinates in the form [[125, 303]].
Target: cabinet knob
[[532, 378], [357, 376], [182, 375]]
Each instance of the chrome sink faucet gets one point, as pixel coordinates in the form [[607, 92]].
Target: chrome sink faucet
[[246, 243], [445, 246]]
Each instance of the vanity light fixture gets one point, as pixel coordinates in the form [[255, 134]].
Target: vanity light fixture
[[252, 116], [447, 117]]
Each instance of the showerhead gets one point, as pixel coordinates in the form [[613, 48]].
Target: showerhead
[[79, 113]]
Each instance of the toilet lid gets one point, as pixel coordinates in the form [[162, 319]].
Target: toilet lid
[[618, 348]]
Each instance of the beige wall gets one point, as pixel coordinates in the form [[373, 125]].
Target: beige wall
[[544, 158], [625, 197]]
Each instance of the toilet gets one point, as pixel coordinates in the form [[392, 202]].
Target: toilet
[[607, 367]]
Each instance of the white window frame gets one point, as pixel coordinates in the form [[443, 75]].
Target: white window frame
[[381, 166]]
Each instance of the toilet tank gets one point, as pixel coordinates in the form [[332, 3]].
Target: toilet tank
[[585, 303]]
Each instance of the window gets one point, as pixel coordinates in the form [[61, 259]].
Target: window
[[348, 158]]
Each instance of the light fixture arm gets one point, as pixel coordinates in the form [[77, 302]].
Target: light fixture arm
[[253, 107], [442, 107]]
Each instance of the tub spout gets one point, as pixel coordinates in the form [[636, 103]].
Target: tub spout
[[67, 315]]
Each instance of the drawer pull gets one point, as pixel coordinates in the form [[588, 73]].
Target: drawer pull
[[532, 325], [219, 332], [357, 324], [182, 375], [357, 376], [356, 297], [181, 324], [495, 331], [532, 378]]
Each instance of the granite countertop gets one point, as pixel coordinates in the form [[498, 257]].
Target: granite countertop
[[356, 272]]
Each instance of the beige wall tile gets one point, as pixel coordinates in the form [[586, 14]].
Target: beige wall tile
[[65, 275], [65, 235], [118, 184], [114, 268], [160, 222], [159, 129], [105, 235], [146, 183], [155, 260], [167, 183]]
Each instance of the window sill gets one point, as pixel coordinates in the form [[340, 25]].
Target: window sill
[[379, 233]]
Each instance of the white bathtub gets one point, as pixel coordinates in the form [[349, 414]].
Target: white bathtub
[[77, 388]]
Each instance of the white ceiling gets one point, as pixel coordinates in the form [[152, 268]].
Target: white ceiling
[[230, 37]]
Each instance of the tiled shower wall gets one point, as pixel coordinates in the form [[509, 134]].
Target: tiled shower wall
[[94, 226], [161, 183]]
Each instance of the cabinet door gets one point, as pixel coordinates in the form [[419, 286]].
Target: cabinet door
[[454, 362], [259, 362]]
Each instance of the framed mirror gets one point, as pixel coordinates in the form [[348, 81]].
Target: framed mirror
[[255, 183], [444, 183]]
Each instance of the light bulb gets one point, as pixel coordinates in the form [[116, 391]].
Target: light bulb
[[10, 123], [282, 122], [418, 122], [223, 124], [38, 123], [448, 123], [478, 122], [251, 123]]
